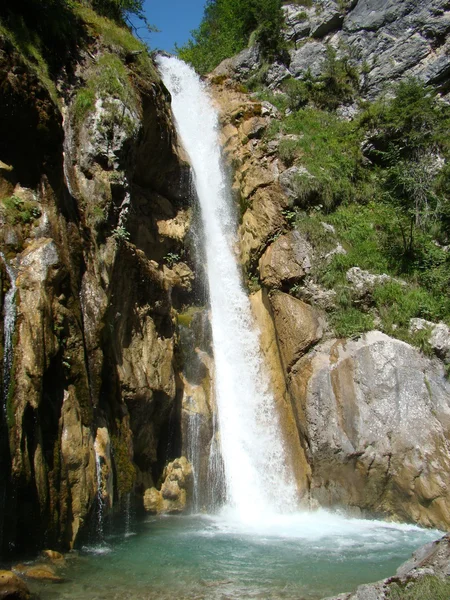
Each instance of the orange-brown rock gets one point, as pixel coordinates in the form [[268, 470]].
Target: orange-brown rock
[[277, 377], [286, 261], [298, 327], [13, 587], [176, 490]]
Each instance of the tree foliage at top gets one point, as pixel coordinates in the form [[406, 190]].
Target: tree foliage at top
[[226, 28]]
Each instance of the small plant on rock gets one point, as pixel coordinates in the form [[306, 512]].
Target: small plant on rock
[[121, 234], [171, 258]]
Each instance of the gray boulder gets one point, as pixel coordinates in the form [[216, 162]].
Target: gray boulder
[[439, 336], [310, 57], [375, 417]]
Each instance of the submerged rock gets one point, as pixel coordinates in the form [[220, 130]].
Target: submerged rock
[[12, 587], [286, 261]]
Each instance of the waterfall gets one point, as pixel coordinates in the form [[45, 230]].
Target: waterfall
[[100, 498], [258, 481], [9, 310]]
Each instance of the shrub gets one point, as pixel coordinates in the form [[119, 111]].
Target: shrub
[[350, 322], [226, 28], [428, 587]]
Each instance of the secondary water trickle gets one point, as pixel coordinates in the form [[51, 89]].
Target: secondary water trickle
[[9, 311], [258, 483]]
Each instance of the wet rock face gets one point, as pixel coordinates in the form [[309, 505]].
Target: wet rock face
[[176, 491], [11, 586], [99, 271], [376, 416]]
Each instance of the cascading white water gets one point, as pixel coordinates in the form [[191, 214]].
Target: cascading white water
[[100, 498], [9, 310], [258, 481]]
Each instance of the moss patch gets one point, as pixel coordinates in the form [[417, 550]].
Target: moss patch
[[125, 469]]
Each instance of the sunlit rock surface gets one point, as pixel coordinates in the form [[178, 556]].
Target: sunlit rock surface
[[376, 416]]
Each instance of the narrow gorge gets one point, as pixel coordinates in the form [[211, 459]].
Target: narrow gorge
[[225, 329]]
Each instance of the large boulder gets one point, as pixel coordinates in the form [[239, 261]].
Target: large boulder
[[376, 416], [286, 261], [309, 58], [12, 587], [176, 491], [298, 327]]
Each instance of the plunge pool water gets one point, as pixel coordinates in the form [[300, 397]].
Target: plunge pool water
[[303, 556]]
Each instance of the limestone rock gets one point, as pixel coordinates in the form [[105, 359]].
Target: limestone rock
[[290, 181], [391, 39], [239, 66], [286, 260], [176, 489], [376, 416], [364, 282], [104, 134], [328, 19], [38, 258], [297, 22], [54, 556], [262, 313], [11, 586], [312, 293], [179, 275], [78, 459], [309, 58], [153, 501], [439, 338], [276, 73], [431, 560], [102, 447], [177, 227], [39, 572], [298, 326], [260, 221]]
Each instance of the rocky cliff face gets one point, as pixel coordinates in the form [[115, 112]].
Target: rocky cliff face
[[371, 414], [386, 40], [95, 210]]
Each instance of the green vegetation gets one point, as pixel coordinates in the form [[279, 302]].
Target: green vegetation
[[228, 26], [329, 149], [125, 470], [47, 33], [121, 234], [382, 183], [171, 258], [428, 587], [184, 319], [18, 211]]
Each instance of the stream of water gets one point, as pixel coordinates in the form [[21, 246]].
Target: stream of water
[[9, 311]]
